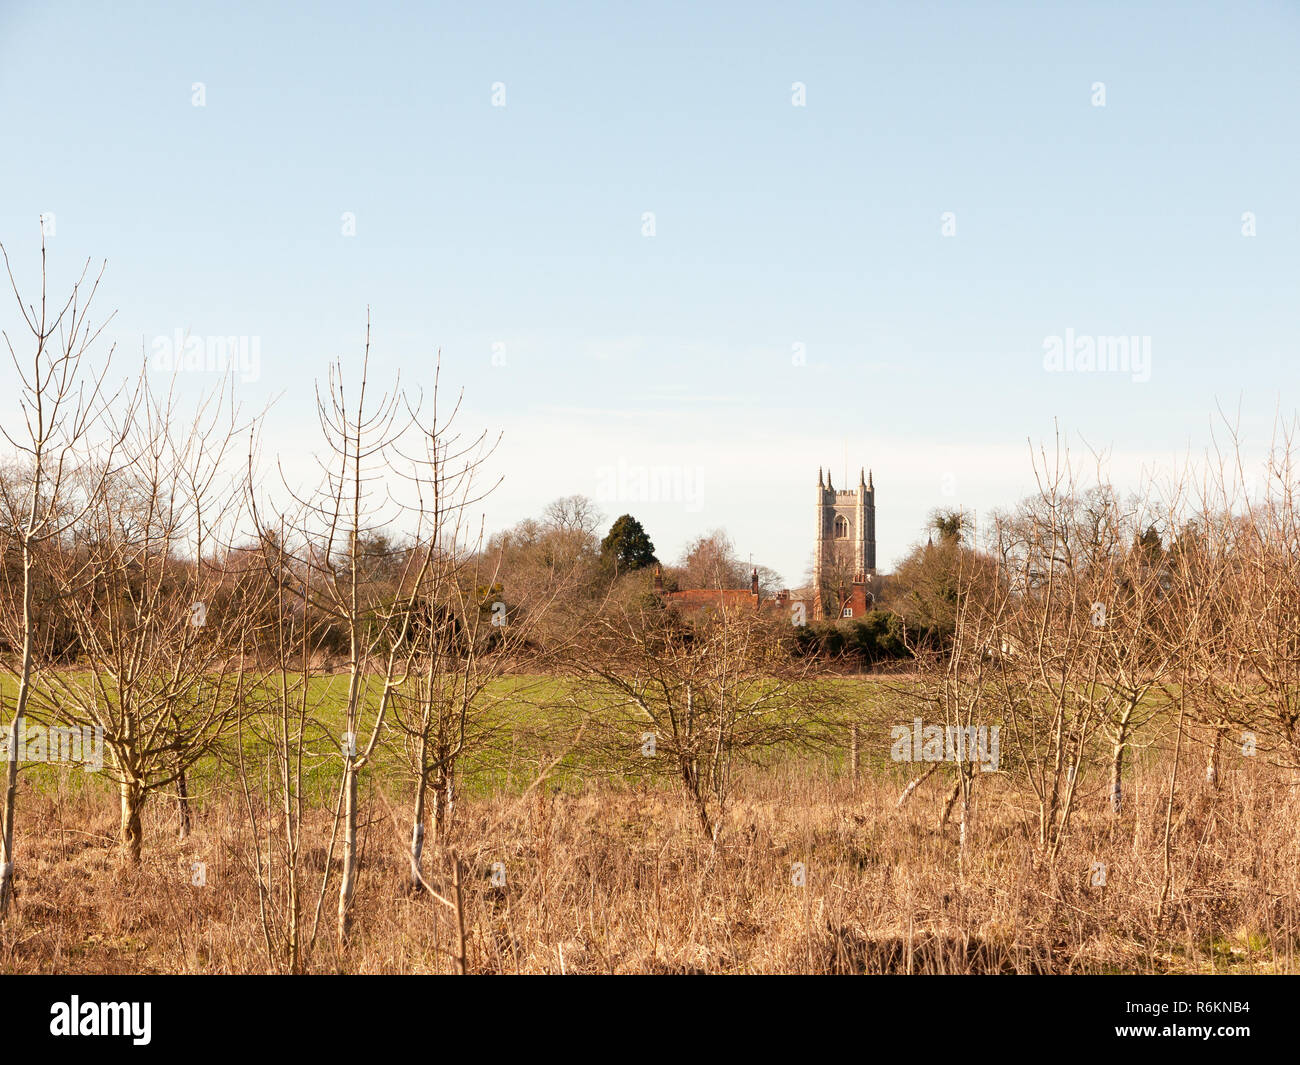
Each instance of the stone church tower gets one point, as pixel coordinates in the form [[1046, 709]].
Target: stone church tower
[[844, 567]]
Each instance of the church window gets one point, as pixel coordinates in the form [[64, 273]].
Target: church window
[[841, 527]]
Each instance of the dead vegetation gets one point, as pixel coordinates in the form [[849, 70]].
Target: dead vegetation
[[621, 881]]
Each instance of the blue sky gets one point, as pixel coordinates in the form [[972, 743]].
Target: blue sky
[[798, 298]]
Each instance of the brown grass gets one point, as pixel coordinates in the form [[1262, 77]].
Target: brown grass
[[620, 881]]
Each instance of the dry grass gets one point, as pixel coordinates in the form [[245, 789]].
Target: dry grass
[[620, 881]]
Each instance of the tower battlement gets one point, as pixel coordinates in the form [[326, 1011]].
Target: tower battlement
[[846, 543]]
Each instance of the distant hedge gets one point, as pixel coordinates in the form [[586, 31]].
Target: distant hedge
[[877, 636]]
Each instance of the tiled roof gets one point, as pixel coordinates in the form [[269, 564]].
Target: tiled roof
[[700, 597]]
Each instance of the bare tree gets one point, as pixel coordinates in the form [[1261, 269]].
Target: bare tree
[[62, 400], [472, 626], [1141, 635], [693, 697], [160, 627], [284, 721], [1054, 563], [371, 601], [1241, 565], [456, 603], [958, 687], [554, 560], [711, 562]]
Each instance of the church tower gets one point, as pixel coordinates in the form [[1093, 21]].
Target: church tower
[[844, 564]]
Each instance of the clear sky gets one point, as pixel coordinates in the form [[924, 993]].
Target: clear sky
[[798, 302]]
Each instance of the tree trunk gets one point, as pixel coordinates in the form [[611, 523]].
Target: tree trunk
[[417, 817], [1116, 779], [347, 885], [1212, 762], [952, 801], [966, 826], [458, 894], [438, 813], [292, 949], [689, 768], [915, 783], [183, 795], [442, 794], [20, 710], [131, 834], [417, 833], [706, 822], [7, 821]]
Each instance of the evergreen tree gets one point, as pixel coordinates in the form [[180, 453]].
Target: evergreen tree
[[627, 547]]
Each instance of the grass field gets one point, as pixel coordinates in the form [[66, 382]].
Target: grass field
[[605, 871], [532, 721]]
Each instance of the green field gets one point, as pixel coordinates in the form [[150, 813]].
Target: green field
[[529, 725]]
